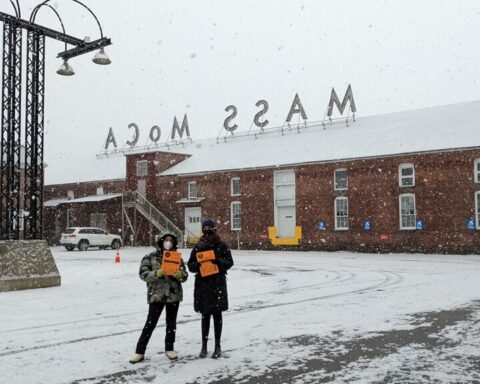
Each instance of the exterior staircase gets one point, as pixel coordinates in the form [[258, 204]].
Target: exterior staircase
[[151, 213]]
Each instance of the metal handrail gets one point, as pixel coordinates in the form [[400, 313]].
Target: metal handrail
[[156, 216]]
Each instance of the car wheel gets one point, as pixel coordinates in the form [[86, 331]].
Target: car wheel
[[83, 245], [116, 244], [69, 248]]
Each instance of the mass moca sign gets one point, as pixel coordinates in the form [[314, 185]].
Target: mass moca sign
[[181, 132]]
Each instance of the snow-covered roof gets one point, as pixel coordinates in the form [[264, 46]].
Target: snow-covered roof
[[430, 129], [94, 198], [54, 202], [86, 199], [437, 128]]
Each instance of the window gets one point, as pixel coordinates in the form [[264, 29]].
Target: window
[[408, 214], [340, 181], [341, 213], [406, 175], [142, 167], [235, 215], [476, 171], [69, 217], [70, 195], [192, 190], [98, 220], [99, 191], [235, 187], [477, 209]]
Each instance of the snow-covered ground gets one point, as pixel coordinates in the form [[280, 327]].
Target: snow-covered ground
[[294, 318]]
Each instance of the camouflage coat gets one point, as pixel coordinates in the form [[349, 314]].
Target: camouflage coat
[[167, 289]]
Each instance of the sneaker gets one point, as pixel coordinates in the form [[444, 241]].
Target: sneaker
[[136, 358], [172, 355]]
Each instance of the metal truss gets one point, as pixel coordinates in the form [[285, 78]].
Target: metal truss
[[24, 189], [10, 159], [34, 135]]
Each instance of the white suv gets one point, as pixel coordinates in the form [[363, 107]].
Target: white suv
[[85, 237]]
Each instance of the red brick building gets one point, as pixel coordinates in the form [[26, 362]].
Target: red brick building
[[402, 182]]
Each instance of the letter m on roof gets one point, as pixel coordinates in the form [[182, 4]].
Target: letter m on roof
[[341, 106]]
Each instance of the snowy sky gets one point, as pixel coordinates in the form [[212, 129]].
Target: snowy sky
[[197, 57]]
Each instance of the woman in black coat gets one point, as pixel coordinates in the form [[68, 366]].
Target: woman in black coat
[[210, 292]]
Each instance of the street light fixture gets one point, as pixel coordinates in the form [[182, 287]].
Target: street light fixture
[[101, 58], [65, 69]]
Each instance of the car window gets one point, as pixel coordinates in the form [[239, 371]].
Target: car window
[[85, 231], [99, 231], [69, 230]]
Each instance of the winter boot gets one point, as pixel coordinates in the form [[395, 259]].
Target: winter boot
[[136, 358], [172, 355], [203, 352], [218, 350]]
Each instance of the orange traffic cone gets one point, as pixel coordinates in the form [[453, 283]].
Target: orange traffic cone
[[117, 257]]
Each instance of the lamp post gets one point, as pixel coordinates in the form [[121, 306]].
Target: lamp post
[[11, 157]]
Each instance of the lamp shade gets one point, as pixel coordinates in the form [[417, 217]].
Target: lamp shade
[[65, 69], [101, 58]]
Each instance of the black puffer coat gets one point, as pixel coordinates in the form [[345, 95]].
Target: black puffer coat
[[210, 293]]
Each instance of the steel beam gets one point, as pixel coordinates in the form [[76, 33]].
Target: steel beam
[[34, 135], [10, 168]]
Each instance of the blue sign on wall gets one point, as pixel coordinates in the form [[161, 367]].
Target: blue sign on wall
[[420, 225], [321, 225], [471, 224], [367, 225]]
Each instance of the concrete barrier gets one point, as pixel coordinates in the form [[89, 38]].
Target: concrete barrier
[[27, 265]]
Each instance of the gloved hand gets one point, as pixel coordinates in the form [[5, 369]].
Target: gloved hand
[[219, 262], [159, 273], [178, 275]]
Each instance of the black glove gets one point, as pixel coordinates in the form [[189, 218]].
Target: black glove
[[194, 265]]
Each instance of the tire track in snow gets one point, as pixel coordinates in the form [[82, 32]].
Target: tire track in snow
[[390, 279], [106, 317]]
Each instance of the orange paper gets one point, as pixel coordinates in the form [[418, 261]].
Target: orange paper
[[207, 268], [171, 262]]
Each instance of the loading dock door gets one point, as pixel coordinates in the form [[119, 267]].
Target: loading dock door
[[285, 219]]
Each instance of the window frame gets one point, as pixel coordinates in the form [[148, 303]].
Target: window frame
[[232, 221], [476, 173], [335, 179], [401, 177], [336, 217], [189, 195], [232, 192], [477, 215], [414, 228], [70, 218], [137, 168]]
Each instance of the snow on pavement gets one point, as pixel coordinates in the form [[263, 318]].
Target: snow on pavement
[[299, 317]]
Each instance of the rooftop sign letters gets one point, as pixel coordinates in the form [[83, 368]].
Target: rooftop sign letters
[[179, 134]]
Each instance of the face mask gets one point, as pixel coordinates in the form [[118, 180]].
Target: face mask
[[167, 245]]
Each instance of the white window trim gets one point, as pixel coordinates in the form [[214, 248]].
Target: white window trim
[[414, 228], [400, 177], [337, 228], [475, 173], [477, 216], [335, 179], [188, 190], [231, 186], [146, 167], [231, 216]]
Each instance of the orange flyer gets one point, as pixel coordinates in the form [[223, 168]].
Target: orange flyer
[[207, 268], [171, 262]]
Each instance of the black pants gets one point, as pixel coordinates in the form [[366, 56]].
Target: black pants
[[217, 325], [154, 312]]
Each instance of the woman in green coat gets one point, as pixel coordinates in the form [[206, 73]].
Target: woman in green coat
[[162, 292]]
